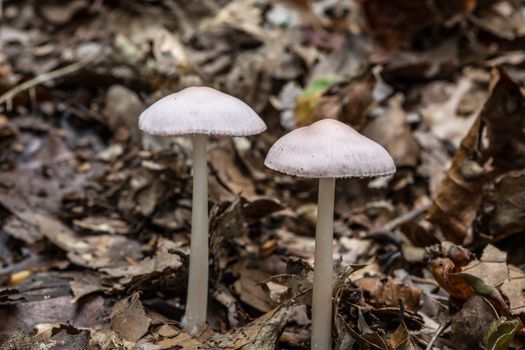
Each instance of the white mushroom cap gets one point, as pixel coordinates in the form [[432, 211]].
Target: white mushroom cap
[[200, 110], [329, 148]]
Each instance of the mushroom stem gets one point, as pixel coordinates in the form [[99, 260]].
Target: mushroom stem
[[322, 293], [197, 299]]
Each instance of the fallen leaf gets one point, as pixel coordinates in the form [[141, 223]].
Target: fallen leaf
[[260, 334], [123, 107], [460, 195], [513, 288], [500, 334], [391, 130], [503, 207], [395, 24], [310, 97], [470, 323], [91, 251], [388, 293], [102, 225], [491, 267], [129, 319]]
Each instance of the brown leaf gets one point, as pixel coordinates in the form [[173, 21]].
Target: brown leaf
[[226, 225], [395, 24], [470, 323], [401, 339], [129, 319], [392, 132], [513, 288], [248, 286], [99, 224], [501, 119], [261, 334], [8, 136], [123, 106], [162, 270], [443, 271], [503, 207], [260, 207], [229, 173], [478, 278], [491, 268], [61, 14], [90, 251], [90, 312], [387, 293], [85, 284]]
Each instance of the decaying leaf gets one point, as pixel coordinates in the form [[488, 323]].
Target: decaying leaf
[[471, 322], [396, 138], [102, 225], [503, 207], [310, 97], [388, 293], [129, 319], [491, 267], [91, 251], [394, 32], [477, 278], [494, 145], [401, 339], [513, 288], [258, 335]]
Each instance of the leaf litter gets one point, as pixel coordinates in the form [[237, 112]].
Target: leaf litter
[[95, 216]]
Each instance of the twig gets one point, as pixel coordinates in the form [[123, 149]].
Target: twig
[[60, 72], [385, 232], [439, 331], [411, 215]]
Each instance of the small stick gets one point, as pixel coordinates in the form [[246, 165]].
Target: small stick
[[385, 232], [439, 331], [60, 72], [411, 215]]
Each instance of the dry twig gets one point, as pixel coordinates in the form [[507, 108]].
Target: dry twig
[[55, 74]]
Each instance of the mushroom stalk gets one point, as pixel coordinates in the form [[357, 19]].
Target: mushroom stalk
[[197, 299], [322, 292]]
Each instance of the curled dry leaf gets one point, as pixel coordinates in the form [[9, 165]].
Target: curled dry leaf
[[489, 277], [494, 145]]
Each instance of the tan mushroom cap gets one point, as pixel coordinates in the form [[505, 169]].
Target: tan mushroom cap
[[329, 149], [200, 110]]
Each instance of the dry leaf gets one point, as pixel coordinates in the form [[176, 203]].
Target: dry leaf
[[129, 319]]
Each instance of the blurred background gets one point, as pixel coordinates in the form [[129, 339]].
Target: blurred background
[[95, 215]]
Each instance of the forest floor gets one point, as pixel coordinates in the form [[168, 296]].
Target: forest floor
[[95, 215]]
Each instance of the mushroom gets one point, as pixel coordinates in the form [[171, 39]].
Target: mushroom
[[327, 149], [199, 112]]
